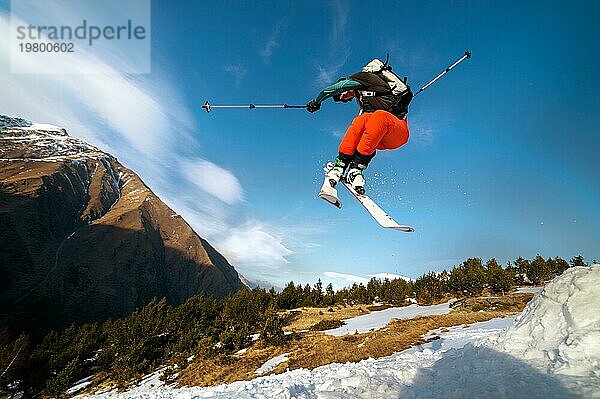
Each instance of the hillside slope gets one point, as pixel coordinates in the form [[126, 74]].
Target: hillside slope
[[82, 238]]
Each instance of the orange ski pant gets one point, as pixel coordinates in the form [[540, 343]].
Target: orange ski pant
[[372, 131]]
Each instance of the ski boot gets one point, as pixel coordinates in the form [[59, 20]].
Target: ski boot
[[334, 172], [355, 177]]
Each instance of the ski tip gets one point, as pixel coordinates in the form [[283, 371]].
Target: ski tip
[[406, 229]]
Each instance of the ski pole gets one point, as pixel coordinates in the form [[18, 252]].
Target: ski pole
[[461, 59], [207, 106]]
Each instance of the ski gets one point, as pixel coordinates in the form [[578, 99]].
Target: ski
[[375, 210]]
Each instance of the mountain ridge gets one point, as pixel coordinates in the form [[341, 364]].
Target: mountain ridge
[[84, 239]]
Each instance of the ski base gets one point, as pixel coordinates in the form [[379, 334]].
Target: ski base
[[378, 214], [329, 194], [330, 199]]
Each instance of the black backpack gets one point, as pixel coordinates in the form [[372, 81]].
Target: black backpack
[[383, 89]]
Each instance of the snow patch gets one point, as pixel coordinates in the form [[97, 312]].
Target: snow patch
[[272, 363], [45, 127], [381, 318], [81, 384]]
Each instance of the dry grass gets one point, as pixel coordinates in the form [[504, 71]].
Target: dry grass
[[209, 372], [316, 349], [304, 318], [374, 308]]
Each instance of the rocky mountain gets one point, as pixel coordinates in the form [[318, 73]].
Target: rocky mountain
[[82, 238]]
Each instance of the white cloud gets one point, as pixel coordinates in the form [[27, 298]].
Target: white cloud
[[267, 51], [213, 179], [339, 22], [128, 105], [254, 245], [140, 120], [329, 74]]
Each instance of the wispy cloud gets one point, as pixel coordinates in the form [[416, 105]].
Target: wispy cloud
[[141, 120], [255, 245], [340, 11], [211, 178], [127, 105], [336, 132], [237, 71], [339, 47], [329, 73], [267, 51]]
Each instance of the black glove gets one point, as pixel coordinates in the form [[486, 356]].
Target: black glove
[[313, 106]]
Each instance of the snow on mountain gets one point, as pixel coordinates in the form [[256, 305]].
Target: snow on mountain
[[552, 350], [25, 141], [7, 121]]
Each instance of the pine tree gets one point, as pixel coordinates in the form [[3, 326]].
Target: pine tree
[[560, 265], [429, 288], [522, 266], [538, 271], [498, 279], [272, 331], [578, 261], [329, 295], [13, 361], [288, 299], [138, 343], [468, 279], [317, 294]]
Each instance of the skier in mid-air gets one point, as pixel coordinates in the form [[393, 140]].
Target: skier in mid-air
[[383, 100]]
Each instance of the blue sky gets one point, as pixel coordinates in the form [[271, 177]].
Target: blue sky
[[502, 160]]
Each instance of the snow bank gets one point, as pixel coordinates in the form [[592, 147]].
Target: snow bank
[[560, 328]]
